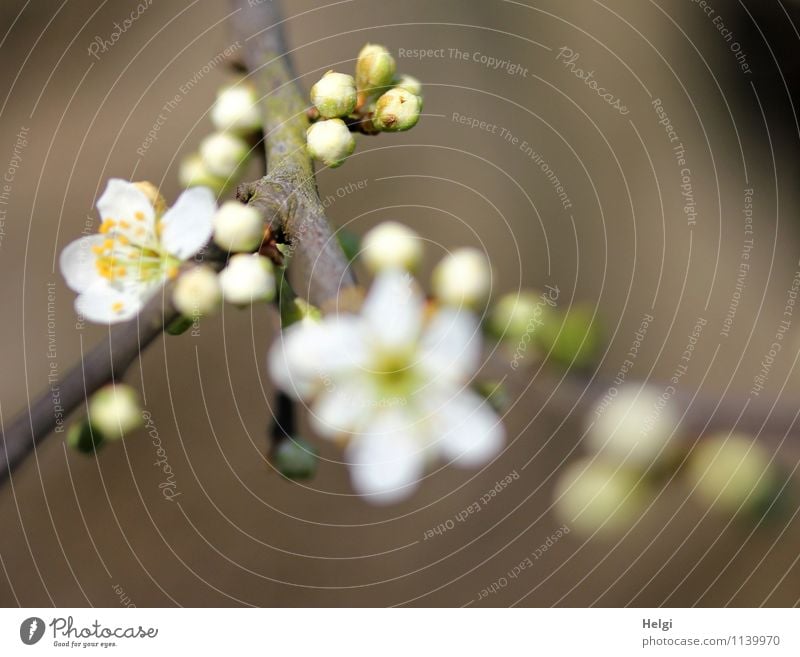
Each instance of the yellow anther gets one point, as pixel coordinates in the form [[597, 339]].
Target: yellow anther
[[117, 306]]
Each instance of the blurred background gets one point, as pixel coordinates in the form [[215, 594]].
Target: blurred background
[[80, 530]]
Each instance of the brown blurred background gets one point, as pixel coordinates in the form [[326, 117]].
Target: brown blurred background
[[77, 530]]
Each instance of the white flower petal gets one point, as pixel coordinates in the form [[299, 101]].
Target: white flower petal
[[308, 354], [124, 201], [105, 304], [187, 225], [77, 262], [393, 310], [451, 346], [386, 463], [341, 408], [468, 431]]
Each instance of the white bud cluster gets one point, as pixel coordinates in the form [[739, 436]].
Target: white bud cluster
[[375, 101]]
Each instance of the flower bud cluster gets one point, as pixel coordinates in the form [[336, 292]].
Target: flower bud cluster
[[375, 100], [222, 154]]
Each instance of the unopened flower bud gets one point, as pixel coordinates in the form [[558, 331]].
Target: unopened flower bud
[[634, 428], [194, 173], [517, 315], [462, 278], [295, 458], [732, 473], [334, 95], [391, 245], [574, 338], [236, 109], [238, 227], [410, 84], [375, 68], [114, 410], [223, 153], [397, 110], [247, 278], [197, 292], [592, 496], [83, 437], [331, 142]]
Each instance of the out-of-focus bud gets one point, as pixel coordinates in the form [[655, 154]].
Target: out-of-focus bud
[[295, 458], [375, 68], [247, 278], [592, 496], [410, 84], [635, 428], [574, 341], [732, 473], [350, 243], [194, 173], [238, 227], [462, 278], [236, 109], [391, 245], [516, 315], [82, 437], [223, 153], [197, 292], [334, 95], [397, 110], [114, 410], [330, 141]]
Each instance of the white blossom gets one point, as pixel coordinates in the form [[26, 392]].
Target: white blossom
[[394, 380], [236, 109], [462, 278], [330, 141], [137, 249], [238, 227], [197, 292], [114, 410], [223, 153]]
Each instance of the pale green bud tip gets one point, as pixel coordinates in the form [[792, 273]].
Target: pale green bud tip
[[633, 427], [592, 496], [732, 473], [391, 245], [375, 68], [115, 410], [334, 95], [410, 84], [223, 153], [194, 173], [397, 110], [236, 109], [462, 278], [248, 278], [575, 339], [330, 141], [238, 227], [516, 315], [197, 292]]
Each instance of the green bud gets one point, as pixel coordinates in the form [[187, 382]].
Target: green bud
[[83, 438], [573, 341], [375, 69], [397, 110], [330, 141], [194, 173], [409, 83], [350, 243], [334, 95], [516, 315], [732, 473], [592, 496], [295, 458], [179, 326]]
